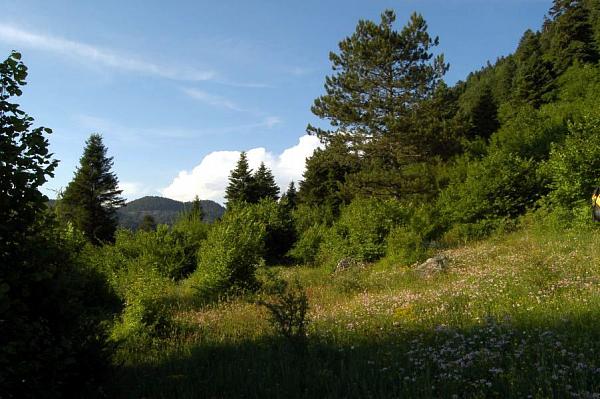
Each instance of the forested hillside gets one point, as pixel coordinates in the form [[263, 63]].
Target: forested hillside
[[440, 244], [163, 210]]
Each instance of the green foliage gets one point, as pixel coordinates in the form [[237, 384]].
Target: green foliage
[[568, 34], [26, 162], [361, 230], [325, 175], [148, 223], [374, 103], [91, 199], [529, 133], [307, 246], [231, 253], [280, 233], [146, 315], [573, 166], [411, 241], [53, 308], [290, 198], [497, 187]]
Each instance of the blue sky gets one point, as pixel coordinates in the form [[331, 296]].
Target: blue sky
[[178, 88]]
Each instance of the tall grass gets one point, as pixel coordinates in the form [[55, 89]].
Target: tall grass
[[514, 316]]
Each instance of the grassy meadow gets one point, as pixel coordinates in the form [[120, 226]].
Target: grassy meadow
[[515, 316]]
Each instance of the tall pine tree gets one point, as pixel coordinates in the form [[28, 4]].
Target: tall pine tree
[[92, 198], [264, 184], [373, 99], [241, 183]]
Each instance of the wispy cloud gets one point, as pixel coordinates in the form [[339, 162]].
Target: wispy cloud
[[211, 99], [84, 52], [140, 135]]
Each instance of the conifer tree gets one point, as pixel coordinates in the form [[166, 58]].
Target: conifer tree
[[534, 77], [290, 197], [91, 199], [568, 35], [196, 213], [264, 184], [373, 98], [241, 183]]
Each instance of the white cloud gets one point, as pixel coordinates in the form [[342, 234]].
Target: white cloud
[[88, 53], [133, 190], [209, 179]]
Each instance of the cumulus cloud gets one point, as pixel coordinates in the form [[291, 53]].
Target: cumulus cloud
[[133, 190], [209, 179]]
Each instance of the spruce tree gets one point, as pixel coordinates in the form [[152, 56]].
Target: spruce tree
[[241, 183], [534, 78], [290, 197], [264, 184], [91, 199]]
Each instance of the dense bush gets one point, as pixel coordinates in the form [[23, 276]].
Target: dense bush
[[307, 246], [413, 240], [500, 186], [146, 316], [280, 233], [231, 253], [361, 230], [573, 166]]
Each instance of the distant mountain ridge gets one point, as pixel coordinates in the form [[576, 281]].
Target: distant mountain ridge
[[163, 210]]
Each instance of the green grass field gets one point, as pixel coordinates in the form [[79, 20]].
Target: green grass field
[[513, 317]]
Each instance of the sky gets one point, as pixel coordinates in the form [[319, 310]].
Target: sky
[[177, 89]]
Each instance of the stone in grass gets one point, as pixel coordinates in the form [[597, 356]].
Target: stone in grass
[[347, 263], [438, 263]]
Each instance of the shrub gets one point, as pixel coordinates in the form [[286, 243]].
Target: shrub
[[231, 253], [307, 246], [287, 305], [146, 315], [573, 166], [280, 234], [498, 187], [361, 231]]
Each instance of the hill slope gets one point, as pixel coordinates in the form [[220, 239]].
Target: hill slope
[[163, 210]]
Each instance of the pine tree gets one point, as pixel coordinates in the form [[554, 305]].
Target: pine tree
[[91, 199], [196, 213], [325, 175], [264, 184], [290, 197], [241, 183], [372, 100], [534, 76]]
